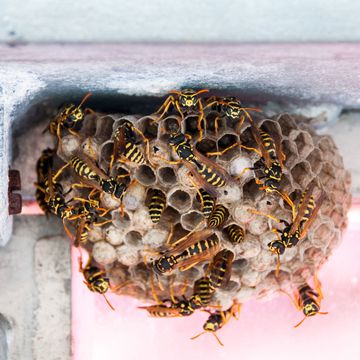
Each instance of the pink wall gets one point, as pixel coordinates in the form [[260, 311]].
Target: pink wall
[[265, 330]]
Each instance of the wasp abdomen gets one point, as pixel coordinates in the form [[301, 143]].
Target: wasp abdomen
[[235, 233], [218, 216], [157, 205]]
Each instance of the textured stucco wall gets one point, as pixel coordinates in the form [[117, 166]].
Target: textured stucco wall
[[186, 20]]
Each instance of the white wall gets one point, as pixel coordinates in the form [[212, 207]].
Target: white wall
[[183, 20]]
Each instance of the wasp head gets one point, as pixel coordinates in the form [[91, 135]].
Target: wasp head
[[277, 247], [163, 265], [213, 323], [114, 188], [185, 308], [310, 307], [100, 285], [188, 98]]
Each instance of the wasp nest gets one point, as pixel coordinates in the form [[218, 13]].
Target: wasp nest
[[125, 246]]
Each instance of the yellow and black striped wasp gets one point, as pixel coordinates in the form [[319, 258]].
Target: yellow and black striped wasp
[[208, 174], [95, 177], [308, 300], [218, 216], [302, 218], [235, 233], [219, 270], [95, 279], [157, 205], [43, 165], [186, 102], [88, 214], [69, 117], [217, 320], [54, 197], [270, 165], [172, 307], [125, 144], [232, 108], [186, 252]]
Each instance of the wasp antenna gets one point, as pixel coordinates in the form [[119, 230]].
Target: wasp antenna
[[297, 325], [217, 338], [108, 302], [175, 92], [84, 99], [323, 312], [198, 335], [201, 91]]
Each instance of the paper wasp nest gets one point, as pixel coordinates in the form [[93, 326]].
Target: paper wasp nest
[[122, 246]]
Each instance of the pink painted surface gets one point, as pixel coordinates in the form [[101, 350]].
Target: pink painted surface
[[265, 330]]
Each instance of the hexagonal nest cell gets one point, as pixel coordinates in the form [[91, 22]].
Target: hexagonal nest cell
[[128, 240]]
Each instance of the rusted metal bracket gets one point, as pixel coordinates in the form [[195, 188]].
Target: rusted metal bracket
[[15, 200]]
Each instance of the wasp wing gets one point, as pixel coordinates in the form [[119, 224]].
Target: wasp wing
[[164, 310], [256, 134], [119, 142], [188, 240], [312, 217], [187, 264], [80, 228], [301, 209]]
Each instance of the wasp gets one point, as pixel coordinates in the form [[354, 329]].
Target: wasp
[[172, 307], [271, 159], [235, 233], [157, 205], [125, 144], [95, 177], [95, 279], [43, 165], [54, 196], [218, 216], [69, 117], [207, 173], [302, 218], [187, 252], [232, 108], [308, 300], [217, 320], [88, 214], [219, 271], [186, 101]]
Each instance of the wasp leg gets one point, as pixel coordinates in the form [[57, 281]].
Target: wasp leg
[[175, 162], [99, 224], [251, 149], [212, 102], [179, 110], [239, 124], [286, 197], [74, 133], [219, 153], [243, 172], [201, 119], [81, 186], [60, 171], [165, 107], [256, 212]]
